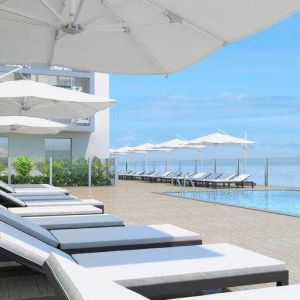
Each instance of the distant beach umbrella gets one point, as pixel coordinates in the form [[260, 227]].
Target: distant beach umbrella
[[122, 150], [222, 139], [29, 125], [219, 139], [35, 99], [141, 37]]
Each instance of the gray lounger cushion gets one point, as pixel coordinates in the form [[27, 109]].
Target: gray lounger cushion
[[74, 282], [76, 221], [47, 197], [122, 236], [24, 248], [289, 292], [41, 191], [10, 200], [6, 187], [134, 268], [26, 226], [64, 202], [55, 210]]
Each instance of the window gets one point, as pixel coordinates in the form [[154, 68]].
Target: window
[[58, 148], [3, 147]]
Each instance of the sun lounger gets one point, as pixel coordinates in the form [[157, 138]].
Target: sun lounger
[[106, 239], [238, 181], [156, 272], [161, 176], [150, 176], [170, 178], [9, 200], [45, 197], [142, 175], [220, 179], [124, 173], [72, 281], [76, 221], [31, 191], [201, 181], [55, 210]]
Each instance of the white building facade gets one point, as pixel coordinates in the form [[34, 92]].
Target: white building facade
[[86, 137]]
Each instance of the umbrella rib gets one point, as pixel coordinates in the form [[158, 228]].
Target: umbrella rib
[[27, 16], [184, 21], [78, 11], [52, 10], [135, 38], [101, 16]]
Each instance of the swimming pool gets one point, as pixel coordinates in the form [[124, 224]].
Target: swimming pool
[[279, 201]]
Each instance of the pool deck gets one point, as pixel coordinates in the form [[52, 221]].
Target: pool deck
[[142, 203]]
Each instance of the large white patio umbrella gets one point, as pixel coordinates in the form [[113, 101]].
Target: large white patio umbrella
[[35, 99], [29, 125], [144, 148], [145, 36], [221, 139], [169, 146]]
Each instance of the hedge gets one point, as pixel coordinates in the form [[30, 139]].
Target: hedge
[[64, 172]]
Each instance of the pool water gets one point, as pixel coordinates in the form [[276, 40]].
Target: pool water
[[280, 201]]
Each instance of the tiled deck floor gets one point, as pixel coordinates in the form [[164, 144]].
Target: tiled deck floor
[[137, 203]]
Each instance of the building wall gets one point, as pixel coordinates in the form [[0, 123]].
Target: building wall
[[98, 144], [85, 142]]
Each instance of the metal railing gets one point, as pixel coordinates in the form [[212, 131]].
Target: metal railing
[[273, 171]]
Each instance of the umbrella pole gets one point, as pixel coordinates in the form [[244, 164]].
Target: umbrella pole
[[245, 154], [245, 159], [201, 160], [169, 155], [146, 161]]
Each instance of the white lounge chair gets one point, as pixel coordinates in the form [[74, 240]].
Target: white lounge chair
[[72, 281], [23, 191], [106, 238], [238, 181], [76, 221], [55, 210], [156, 272], [9, 200]]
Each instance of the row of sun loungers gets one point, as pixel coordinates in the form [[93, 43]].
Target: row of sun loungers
[[87, 254], [197, 179]]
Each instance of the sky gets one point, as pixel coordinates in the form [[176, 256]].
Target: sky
[[251, 86]]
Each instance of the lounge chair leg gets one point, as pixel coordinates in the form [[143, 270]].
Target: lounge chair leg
[[284, 281]]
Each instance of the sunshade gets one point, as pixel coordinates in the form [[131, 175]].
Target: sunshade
[[146, 36], [35, 99], [122, 150], [29, 125], [143, 148], [217, 138], [221, 139], [170, 144]]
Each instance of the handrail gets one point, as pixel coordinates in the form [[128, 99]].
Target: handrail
[[179, 184], [191, 181]]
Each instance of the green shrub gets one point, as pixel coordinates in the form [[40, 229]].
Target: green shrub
[[2, 167], [43, 167], [23, 166], [100, 172]]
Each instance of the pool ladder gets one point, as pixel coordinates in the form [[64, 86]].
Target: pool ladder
[[182, 187]]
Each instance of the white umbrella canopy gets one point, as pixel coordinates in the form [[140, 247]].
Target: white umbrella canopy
[[143, 148], [29, 125], [123, 150], [141, 37], [170, 144], [217, 138], [35, 99]]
